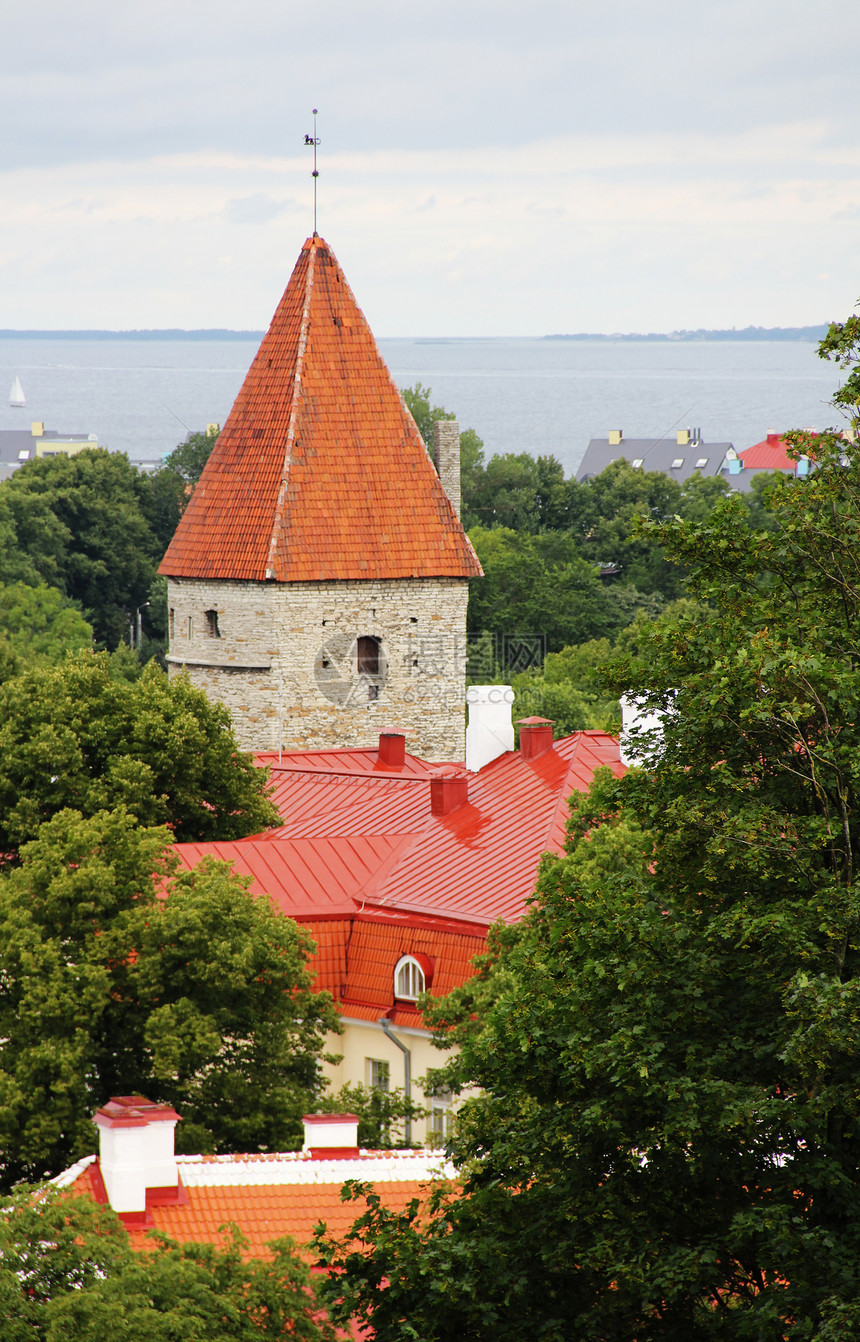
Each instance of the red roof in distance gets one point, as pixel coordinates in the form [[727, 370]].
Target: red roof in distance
[[768, 455], [320, 472]]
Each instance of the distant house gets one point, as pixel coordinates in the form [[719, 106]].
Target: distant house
[[679, 457], [20, 445], [690, 453], [397, 868], [768, 455]]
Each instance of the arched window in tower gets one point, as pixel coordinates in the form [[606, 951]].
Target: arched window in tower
[[409, 979]]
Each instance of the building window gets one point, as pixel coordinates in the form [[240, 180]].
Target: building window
[[636, 463], [677, 463], [440, 1118], [701, 463], [408, 978], [190, 626], [378, 1073], [373, 691], [368, 655], [170, 621], [212, 623]]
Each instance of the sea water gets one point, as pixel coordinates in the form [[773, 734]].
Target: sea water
[[519, 395]]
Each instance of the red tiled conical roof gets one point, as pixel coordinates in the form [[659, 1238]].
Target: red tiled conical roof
[[319, 472]]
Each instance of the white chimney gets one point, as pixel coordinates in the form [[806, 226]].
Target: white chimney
[[328, 1136], [136, 1151], [634, 722], [490, 732]]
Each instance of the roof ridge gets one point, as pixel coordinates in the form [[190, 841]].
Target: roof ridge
[[280, 504]]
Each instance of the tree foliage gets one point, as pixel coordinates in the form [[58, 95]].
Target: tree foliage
[[67, 1269], [668, 1146], [540, 584], [201, 999], [40, 625], [76, 736], [79, 523], [417, 400], [189, 457]]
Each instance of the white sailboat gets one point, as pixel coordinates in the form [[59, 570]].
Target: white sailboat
[[16, 395]]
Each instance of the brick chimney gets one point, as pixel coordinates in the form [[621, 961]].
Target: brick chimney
[[535, 737], [447, 792], [136, 1153], [331, 1136], [446, 455], [490, 731]]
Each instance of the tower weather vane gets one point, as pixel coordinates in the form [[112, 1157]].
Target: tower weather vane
[[312, 139]]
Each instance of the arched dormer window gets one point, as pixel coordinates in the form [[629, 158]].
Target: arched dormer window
[[412, 975]]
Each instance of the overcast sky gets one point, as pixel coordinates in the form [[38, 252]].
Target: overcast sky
[[487, 167]]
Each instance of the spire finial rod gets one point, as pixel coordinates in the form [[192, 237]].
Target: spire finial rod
[[312, 139]]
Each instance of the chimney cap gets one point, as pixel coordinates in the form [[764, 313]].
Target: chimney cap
[[535, 722], [329, 1118], [133, 1111]]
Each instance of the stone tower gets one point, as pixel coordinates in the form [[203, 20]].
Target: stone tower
[[317, 583]]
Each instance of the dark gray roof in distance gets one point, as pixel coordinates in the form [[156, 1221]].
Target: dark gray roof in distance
[[677, 460]]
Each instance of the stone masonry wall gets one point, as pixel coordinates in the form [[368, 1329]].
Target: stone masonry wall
[[446, 455], [284, 658]]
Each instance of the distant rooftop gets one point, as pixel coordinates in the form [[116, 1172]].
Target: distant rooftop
[[20, 445], [678, 456]]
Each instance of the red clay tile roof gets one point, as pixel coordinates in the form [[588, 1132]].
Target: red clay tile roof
[[269, 1196], [319, 472]]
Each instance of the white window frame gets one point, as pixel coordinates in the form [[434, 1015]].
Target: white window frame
[[440, 1118], [409, 979], [378, 1074]]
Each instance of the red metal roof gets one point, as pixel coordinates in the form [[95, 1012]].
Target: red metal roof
[[351, 839], [362, 861], [768, 455], [319, 472]]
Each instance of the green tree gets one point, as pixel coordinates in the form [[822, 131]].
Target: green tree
[[166, 494], [617, 498], [80, 525], [417, 400], [67, 1269], [40, 624], [121, 976], [189, 457], [379, 1112], [520, 491], [668, 1146], [77, 736], [538, 584]]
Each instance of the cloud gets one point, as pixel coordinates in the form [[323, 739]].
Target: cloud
[[600, 232], [486, 166], [258, 209]]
